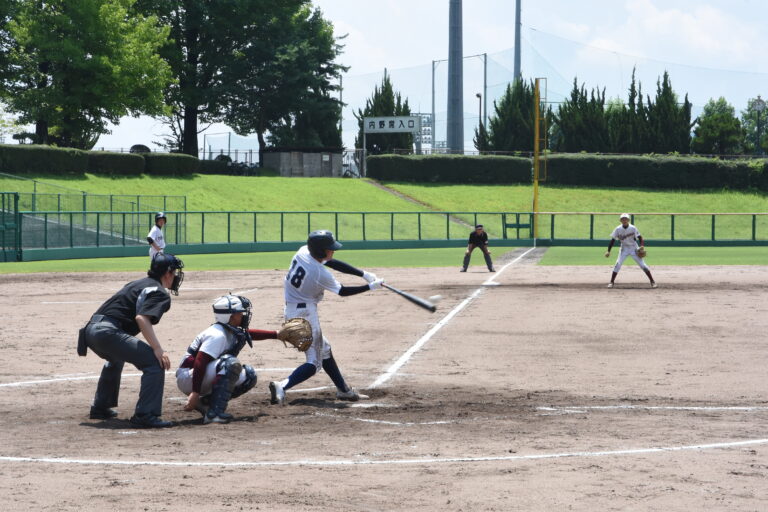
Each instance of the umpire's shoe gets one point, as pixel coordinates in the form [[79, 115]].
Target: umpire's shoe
[[97, 413], [149, 421]]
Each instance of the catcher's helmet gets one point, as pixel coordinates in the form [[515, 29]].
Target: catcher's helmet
[[160, 215], [162, 263], [225, 306], [321, 240]]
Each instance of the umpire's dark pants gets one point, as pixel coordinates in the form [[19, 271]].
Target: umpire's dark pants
[[110, 342]]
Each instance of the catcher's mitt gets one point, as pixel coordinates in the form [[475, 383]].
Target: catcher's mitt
[[641, 252], [297, 332]]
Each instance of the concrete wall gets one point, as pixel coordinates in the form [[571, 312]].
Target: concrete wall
[[295, 163]]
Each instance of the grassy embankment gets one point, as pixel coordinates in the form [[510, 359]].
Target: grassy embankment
[[223, 193]]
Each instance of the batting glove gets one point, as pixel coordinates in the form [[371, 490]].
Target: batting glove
[[369, 276], [376, 285]]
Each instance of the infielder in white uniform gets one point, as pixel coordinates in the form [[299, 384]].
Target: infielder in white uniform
[[155, 236], [628, 236], [210, 373], [305, 283]]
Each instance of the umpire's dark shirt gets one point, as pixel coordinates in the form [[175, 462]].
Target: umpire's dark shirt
[[145, 296], [478, 239]]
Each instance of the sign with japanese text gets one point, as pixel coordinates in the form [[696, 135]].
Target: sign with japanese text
[[397, 124]]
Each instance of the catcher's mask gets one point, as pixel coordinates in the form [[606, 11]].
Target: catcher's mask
[[226, 306], [162, 263], [319, 241]]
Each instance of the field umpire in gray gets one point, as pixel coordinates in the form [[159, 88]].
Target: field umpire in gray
[[478, 238], [111, 332]]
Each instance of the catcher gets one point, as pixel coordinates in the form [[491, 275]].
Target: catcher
[[210, 372], [628, 236]]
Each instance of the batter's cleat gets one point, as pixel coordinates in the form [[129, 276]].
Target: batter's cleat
[[350, 396], [98, 413], [654, 285], [149, 421], [610, 285], [277, 393], [222, 417]]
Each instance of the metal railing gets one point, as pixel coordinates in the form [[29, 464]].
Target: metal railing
[[95, 229]]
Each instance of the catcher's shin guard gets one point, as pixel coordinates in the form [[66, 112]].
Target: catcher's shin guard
[[248, 383], [229, 369]]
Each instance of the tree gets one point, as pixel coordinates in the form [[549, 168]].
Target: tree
[[511, 128], [582, 122], [749, 121], [383, 102], [718, 130], [669, 123], [75, 65], [284, 80]]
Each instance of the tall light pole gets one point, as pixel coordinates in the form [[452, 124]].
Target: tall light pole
[[759, 106], [480, 109], [455, 129], [518, 73]]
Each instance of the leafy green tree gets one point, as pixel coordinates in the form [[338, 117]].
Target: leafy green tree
[[718, 131], [284, 81], [481, 139], [511, 128], [749, 121], [582, 122], [669, 123], [383, 102], [76, 65]]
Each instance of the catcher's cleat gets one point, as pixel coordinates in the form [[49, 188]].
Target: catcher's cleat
[[98, 413], [219, 418], [610, 285], [277, 393], [351, 395], [654, 285]]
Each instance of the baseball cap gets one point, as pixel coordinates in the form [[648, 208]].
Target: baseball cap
[[624, 216], [478, 226]]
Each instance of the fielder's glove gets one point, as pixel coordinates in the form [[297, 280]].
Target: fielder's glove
[[641, 252], [369, 276], [297, 332]]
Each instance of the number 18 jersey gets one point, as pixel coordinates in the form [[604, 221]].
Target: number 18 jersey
[[307, 279]]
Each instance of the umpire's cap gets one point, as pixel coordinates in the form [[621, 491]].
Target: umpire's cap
[[321, 240]]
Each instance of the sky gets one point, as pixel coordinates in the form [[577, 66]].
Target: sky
[[710, 48]]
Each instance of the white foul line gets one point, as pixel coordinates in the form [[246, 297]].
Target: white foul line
[[433, 460], [439, 325]]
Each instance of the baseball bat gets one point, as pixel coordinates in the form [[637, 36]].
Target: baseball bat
[[413, 298]]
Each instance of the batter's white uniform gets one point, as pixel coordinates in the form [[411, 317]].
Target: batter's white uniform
[[214, 341], [305, 284], [156, 234], [628, 238]]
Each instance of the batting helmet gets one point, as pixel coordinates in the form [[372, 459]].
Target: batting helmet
[[226, 306], [162, 263], [159, 215], [320, 241]]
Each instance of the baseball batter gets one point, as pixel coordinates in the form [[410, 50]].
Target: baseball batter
[[478, 239], [304, 286], [210, 372], [628, 236], [155, 236]]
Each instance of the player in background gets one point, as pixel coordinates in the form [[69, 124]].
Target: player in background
[[210, 372], [478, 238], [304, 286], [628, 236], [155, 236], [111, 334]]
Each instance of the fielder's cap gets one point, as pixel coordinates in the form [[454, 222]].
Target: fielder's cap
[[478, 226], [624, 216]]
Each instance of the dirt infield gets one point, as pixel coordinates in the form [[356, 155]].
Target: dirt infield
[[538, 390]]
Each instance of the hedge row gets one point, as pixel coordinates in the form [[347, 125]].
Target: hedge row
[[450, 168], [651, 171], [39, 159]]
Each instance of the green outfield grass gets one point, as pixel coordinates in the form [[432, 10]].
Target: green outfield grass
[[676, 256], [402, 258]]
